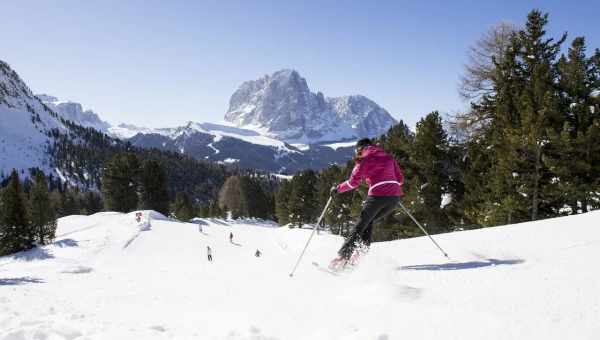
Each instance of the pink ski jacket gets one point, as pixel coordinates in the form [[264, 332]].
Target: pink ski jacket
[[379, 170]]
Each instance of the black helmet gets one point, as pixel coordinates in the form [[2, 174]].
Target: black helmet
[[363, 142]]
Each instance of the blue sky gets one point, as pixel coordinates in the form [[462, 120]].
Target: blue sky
[[161, 63]]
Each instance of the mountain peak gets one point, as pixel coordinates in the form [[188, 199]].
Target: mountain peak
[[282, 106], [46, 98], [286, 72], [286, 75], [74, 112]]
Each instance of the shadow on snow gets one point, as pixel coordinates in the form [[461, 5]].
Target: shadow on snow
[[33, 255], [68, 242], [463, 265], [19, 281]]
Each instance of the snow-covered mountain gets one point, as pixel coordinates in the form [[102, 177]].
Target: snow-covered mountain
[[265, 117], [34, 136], [275, 123], [25, 123], [74, 112], [282, 106], [232, 145], [41, 132], [108, 277]]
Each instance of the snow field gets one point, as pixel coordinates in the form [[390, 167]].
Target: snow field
[[110, 277]]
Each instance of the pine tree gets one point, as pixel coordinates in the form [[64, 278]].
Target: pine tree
[[574, 151], [183, 209], [539, 105], [511, 145], [41, 212], [430, 155], [92, 202], [153, 187], [454, 209], [506, 202], [282, 198], [254, 200], [214, 210], [230, 197], [303, 203], [399, 141], [338, 216], [71, 201], [204, 211], [56, 200], [15, 231], [119, 183]]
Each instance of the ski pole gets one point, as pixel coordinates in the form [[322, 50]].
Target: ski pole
[[311, 235], [420, 226]]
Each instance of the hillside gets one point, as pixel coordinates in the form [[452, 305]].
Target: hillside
[[33, 135], [24, 125], [108, 277], [244, 148]]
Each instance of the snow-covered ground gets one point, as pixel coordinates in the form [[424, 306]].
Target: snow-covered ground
[[109, 277]]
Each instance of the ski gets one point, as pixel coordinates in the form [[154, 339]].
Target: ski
[[325, 270]]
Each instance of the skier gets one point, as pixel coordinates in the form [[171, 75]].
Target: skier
[[385, 179], [258, 253], [209, 253], [231, 237]]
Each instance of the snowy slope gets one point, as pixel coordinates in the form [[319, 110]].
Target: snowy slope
[[108, 277], [24, 123]]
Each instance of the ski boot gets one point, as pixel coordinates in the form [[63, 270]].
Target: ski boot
[[338, 264]]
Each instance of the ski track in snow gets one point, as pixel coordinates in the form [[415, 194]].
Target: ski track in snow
[[109, 277]]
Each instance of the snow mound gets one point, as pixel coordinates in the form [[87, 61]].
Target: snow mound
[[108, 276]]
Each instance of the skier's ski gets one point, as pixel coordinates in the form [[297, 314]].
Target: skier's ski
[[326, 270], [339, 264]]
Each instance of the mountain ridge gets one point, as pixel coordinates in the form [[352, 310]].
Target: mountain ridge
[[244, 146]]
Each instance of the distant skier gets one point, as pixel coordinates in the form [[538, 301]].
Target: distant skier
[[209, 253], [258, 253], [383, 175], [231, 237]]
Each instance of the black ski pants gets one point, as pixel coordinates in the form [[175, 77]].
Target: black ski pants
[[375, 208]]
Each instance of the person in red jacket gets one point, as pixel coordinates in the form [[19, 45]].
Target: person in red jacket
[[385, 179]]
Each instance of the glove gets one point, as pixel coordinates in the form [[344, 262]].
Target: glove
[[333, 192]]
